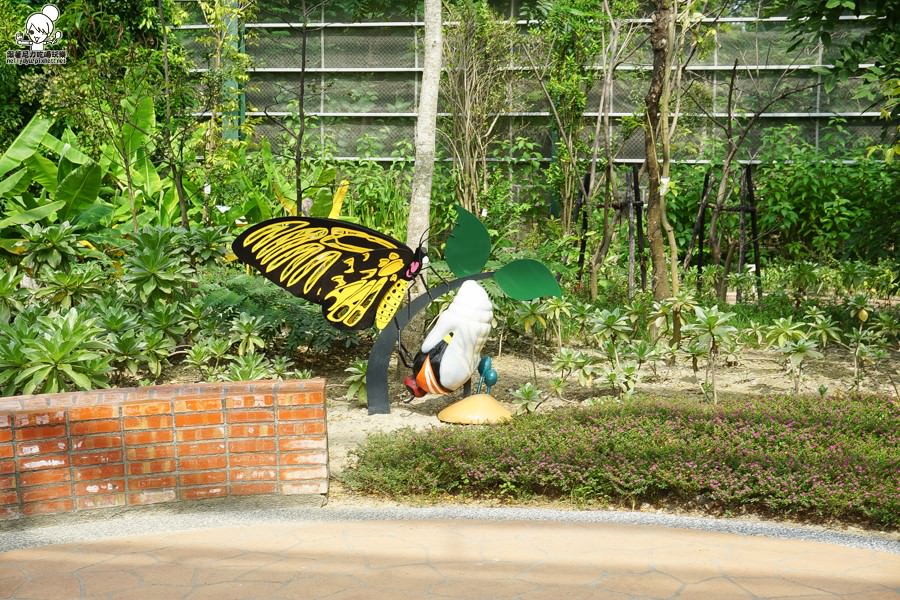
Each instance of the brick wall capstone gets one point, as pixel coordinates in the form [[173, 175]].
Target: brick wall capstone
[[81, 451]]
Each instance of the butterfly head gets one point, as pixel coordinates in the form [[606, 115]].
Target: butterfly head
[[419, 262]]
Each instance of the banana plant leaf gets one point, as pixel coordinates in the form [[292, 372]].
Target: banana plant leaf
[[79, 190], [14, 184], [42, 171], [25, 144]]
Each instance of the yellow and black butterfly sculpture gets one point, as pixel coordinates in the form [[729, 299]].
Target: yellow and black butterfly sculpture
[[359, 276]]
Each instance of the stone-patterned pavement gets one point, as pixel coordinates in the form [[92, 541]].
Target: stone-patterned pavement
[[447, 559]]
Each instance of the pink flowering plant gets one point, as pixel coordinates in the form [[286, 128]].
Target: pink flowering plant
[[807, 458]]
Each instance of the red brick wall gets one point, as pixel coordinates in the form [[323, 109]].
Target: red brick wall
[[124, 447]]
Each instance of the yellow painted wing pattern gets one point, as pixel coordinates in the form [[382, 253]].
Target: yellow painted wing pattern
[[357, 275]]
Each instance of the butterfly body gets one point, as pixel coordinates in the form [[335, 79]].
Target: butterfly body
[[359, 276]]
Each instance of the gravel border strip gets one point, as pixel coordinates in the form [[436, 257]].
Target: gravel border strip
[[133, 523]]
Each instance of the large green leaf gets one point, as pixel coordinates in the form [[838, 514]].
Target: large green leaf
[[469, 245], [79, 190], [527, 279], [14, 184], [141, 121], [25, 144], [145, 174], [30, 216], [94, 213], [65, 147], [43, 171]]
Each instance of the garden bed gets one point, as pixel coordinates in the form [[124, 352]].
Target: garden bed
[[832, 459]]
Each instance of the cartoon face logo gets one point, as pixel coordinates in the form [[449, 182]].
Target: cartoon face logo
[[39, 29]]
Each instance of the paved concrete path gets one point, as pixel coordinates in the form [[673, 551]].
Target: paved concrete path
[[343, 559]]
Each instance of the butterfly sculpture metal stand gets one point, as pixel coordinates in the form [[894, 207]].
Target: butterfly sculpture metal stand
[[380, 355]]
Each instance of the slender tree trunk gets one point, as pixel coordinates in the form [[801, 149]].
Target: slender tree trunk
[[426, 127], [659, 41]]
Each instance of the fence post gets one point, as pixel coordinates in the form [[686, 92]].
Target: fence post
[[754, 231], [639, 204]]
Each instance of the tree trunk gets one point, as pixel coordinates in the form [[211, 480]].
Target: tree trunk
[[426, 125], [659, 41]]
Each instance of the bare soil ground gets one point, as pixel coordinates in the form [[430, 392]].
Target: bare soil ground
[[757, 372]]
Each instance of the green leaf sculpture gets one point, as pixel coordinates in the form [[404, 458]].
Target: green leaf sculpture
[[526, 279], [469, 245]]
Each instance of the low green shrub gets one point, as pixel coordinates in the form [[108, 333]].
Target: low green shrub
[[791, 456]]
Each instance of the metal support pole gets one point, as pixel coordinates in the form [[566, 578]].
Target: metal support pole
[[754, 231], [700, 235], [639, 205]]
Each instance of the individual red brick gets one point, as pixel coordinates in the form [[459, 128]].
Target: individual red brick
[[92, 427], [107, 486], [295, 399], [203, 493], [46, 508], [40, 462], [197, 448], [6, 450], [263, 445], [7, 481], [150, 452], [249, 401], [148, 483], [202, 433], [151, 466], [300, 414], [204, 463], [105, 501], [44, 477], [198, 419], [39, 433], [319, 486], [253, 460], [87, 413], [198, 405], [141, 409], [302, 428], [97, 458], [151, 497], [41, 447], [32, 419], [7, 466], [9, 497], [258, 474], [239, 431], [304, 473], [101, 472], [138, 438], [291, 444], [96, 442], [5, 435], [155, 422], [60, 490], [208, 478], [251, 416], [304, 458], [249, 489]]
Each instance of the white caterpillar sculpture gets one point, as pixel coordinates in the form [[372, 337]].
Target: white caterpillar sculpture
[[452, 349]]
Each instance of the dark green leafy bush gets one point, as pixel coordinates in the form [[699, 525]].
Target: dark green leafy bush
[[802, 457]]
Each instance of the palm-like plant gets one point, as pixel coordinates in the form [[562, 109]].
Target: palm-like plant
[[66, 289], [784, 330], [13, 359], [711, 329], [158, 347], [65, 352], [528, 397], [127, 353], [823, 329], [167, 319], [248, 367], [608, 326], [157, 273], [10, 294], [356, 382], [199, 357], [798, 353], [557, 307], [668, 314], [53, 247], [245, 331]]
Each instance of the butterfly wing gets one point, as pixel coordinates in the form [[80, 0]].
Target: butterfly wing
[[359, 276]]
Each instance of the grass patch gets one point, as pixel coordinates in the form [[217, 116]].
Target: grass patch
[[801, 457]]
